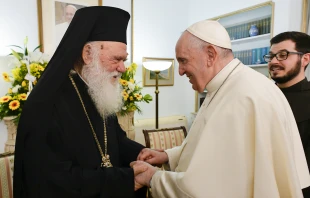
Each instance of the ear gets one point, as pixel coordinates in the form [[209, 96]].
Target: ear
[[87, 54], [306, 59], [212, 54]]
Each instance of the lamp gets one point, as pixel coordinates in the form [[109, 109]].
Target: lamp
[[157, 66]]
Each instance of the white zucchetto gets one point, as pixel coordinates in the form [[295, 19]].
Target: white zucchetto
[[212, 32]]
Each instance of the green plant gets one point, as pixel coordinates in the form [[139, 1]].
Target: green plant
[[131, 91], [28, 68]]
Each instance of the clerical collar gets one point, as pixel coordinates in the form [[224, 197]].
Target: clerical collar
[[216, 82], [301, 85]]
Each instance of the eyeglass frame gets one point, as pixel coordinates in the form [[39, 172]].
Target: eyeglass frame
[[271, 56]]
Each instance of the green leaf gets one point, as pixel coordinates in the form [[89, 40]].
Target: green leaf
[[15, 46], [16, 54], [26, 51], [37, 47], [147, 98]]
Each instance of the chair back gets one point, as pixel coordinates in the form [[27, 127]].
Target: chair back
[[6, 175], [164, 138]]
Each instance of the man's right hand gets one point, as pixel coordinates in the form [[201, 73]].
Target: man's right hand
[[154, 157]]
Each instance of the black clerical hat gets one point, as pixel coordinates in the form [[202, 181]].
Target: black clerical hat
[[111, 25], [97, 23]]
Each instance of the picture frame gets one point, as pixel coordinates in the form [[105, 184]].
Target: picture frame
[[305, 16], [54, 17], [166, 77]]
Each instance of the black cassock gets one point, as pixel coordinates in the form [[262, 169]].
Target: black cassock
[[57, 156], [298, 97]]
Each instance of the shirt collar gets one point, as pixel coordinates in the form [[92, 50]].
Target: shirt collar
[[216, 82], [301, 85]]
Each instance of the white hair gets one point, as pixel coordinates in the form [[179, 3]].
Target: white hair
[[72, 6], [106, 95]]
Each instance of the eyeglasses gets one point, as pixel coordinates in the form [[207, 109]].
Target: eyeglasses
[[280, 55]]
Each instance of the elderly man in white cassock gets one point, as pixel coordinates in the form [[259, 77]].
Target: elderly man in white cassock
[[244, 141]]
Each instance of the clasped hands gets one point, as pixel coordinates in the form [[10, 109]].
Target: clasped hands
[[143, 169]]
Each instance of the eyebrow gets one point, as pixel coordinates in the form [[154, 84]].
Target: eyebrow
[[278, 50], [120, 58]]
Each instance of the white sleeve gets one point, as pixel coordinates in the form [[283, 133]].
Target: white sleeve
[[174, 155]]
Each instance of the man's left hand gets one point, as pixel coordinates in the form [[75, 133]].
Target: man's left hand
[[145, 177]]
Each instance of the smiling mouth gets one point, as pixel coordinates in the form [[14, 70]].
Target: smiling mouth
[[115, 76], [275, 68]]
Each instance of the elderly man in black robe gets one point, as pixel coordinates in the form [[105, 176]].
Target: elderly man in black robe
[[69, 142]]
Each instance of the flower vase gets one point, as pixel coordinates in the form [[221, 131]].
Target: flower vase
[[11, 129], [126, 122], [253, 30]]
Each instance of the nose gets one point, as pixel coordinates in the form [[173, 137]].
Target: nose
[[181, 71], [273, 60], [121, 67]]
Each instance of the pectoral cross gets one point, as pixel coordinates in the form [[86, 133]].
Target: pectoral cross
[[106, 162]]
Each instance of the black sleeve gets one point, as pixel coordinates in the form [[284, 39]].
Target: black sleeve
[[129, 149]]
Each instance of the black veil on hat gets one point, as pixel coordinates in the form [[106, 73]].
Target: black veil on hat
[[98, 23]]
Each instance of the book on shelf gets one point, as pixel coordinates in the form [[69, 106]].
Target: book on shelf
[[242, 30]]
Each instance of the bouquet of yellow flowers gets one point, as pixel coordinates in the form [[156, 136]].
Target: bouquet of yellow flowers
[[131, 91], [28, 68]]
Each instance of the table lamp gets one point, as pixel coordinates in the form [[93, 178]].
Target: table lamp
[[156, 66]]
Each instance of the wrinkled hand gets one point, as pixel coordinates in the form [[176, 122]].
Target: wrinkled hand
[[143, 178], [153, 156], [137, 169]]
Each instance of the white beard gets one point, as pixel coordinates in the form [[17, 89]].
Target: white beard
[[107, 96]]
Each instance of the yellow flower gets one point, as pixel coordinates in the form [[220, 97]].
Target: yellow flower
[[132, 80], [10, 90], [134, 66], [123, 82], [125, 94], [40, 68], [34, 82], [139, 97], [129, 68], [14, 105], [22, 96], [131, 98], [24, 84], [5, 99], [15, 73], [6, 76]]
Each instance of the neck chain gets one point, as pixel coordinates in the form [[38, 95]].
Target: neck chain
[[223, 83], [105, 158]]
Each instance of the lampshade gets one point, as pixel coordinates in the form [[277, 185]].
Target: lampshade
[[157, 65]]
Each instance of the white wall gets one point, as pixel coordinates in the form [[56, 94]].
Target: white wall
[[18, 19], [287, 12], [157, 27]]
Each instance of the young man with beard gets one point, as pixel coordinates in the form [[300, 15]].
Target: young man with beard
[[244, 141], [287, 60], [69, 142]]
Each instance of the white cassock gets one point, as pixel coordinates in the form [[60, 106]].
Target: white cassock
[[244, 144]]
